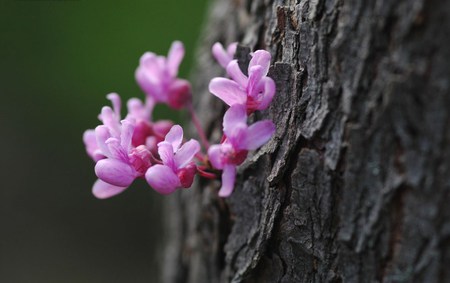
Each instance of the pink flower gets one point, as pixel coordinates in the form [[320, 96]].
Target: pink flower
[[157, 77], [123, 163], [239, 140], [255, 91], [177, 169], [223, 56]]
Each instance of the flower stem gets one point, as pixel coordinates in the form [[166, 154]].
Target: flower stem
[[198, 126]]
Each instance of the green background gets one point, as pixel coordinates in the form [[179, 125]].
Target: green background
[[58, 61]]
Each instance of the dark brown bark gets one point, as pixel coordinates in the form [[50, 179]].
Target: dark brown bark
[[355, 186]]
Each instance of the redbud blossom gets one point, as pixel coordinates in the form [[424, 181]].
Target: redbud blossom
[[178, 169], [240, 138], [157, 77], [255, 91], [123, 163]]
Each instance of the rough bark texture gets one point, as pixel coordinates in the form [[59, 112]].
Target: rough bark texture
[[355, 186]]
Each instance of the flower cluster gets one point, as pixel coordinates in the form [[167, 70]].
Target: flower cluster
[[244, 95], [138, 147]]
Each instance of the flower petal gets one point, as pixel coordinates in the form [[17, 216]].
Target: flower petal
[[117, 151], [186, 152], [255, 74], [215, 156], [126, 135], [110, 120], [165, 151], [236, 115], [115, 172], [102, 190], [266, 97], [175, 137], [174, 58], [231, 49], [236, 74], [228, 179], [261, 58], [150, 74], [237, 136], [162, 179], [137, 109], [90, 142], [102, 135], [228, 90], [219, 53], [115, 100], [258, 134]]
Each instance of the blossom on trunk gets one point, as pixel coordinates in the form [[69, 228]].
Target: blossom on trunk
[[157, 77], [178, 169], [123, 163], [239, 139], [255, 91], [223, 56]]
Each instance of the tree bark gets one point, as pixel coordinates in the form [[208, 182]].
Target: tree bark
[[355, 185]]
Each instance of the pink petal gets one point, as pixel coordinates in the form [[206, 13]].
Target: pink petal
[[236, 115], [117, 151], [261, 58], [237, 136], [216, 157], [110, 120], [151, 89], [176, 54], [126, 135], [185, 154], [236, 74], [165, 151], [269, 91], [147, 56], [175, 136], [255, 75], [231, 49], [258, 134], [102, 135], [137, 110], [227, 90], [151, 65], [219, 53], [90, 142], [152, 77], [228, 179], [115, 172], [115, 100], [104, 190], [162, 179]]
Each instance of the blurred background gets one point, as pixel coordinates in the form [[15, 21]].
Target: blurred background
[[58, 61]]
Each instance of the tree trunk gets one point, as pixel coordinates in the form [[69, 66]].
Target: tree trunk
[[355, 185]]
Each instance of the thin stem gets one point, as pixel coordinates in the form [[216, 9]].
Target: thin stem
[[198, 126], [207, 175]]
